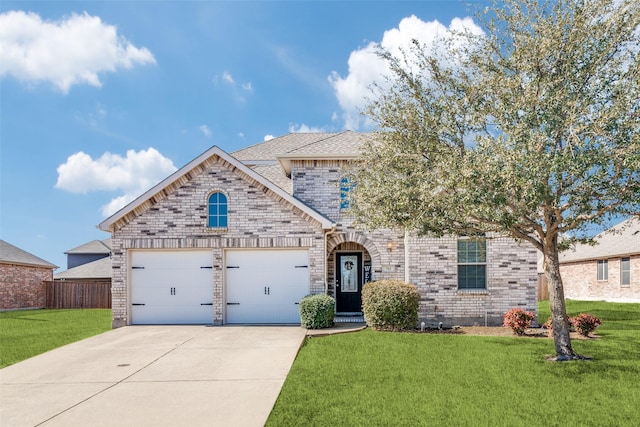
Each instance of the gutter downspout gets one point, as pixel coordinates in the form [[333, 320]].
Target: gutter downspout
[[407, 253]]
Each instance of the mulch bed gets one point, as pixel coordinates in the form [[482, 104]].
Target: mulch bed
[[501, 331]]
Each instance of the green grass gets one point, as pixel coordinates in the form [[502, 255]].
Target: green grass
[[405, 379], [24, 334]]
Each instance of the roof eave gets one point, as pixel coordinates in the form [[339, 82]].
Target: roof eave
[[107, 224], [285, 161]]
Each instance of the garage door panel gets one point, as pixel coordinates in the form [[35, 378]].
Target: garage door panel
[[171, 287], [171, 315], [266, 286]]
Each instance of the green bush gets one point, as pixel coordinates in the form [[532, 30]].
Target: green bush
[[390, 305], [317, 311]]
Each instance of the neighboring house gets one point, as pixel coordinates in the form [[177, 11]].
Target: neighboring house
[[21, 278], [88, 252], [242, 237], [609, 270], [90, 262]]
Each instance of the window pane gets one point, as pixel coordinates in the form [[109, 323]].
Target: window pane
[[471, 251], [217, 210], [346, 185], [603, 270], [472, 277], [625, 271]]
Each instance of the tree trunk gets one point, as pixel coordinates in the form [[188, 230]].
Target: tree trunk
[[561, 329]]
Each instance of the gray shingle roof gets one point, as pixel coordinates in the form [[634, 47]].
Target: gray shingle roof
[[303, 145], [275, 174], [92, 247], [10, 254], [622, 239], [99, 269]]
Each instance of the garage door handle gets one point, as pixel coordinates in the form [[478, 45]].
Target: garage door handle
[[137, 268], [296, 303], [207, 303], [208, 267], [136, 304], [233, 303], [302, 266]]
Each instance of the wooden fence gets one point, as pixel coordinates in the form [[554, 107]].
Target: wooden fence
[[61, 294], [543, 290]]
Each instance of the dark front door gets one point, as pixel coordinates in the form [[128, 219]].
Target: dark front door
[[349, 282]]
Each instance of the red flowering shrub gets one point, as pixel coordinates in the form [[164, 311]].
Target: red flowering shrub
[[518, 320], [586, 323]]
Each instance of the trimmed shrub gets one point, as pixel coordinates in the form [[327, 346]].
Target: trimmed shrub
[[518, 320], [586, 323], [390, 305], [317, 311]]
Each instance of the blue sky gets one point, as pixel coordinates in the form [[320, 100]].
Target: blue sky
[[101, 100]]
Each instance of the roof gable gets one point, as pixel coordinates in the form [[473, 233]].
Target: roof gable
[[184, 174], [10, 254], [92, 247]]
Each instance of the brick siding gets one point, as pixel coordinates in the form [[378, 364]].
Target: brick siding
[[22, 286], [258, 218], [580, 280], [176, 218]]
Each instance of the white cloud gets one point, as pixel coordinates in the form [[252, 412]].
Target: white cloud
[[294, 128], [268, 137], [228, 78], [132, 175], [238, 90], [247, 87], [70, 51], [205, 131], [365, 67]]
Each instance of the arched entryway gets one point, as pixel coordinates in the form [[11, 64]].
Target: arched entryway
[[350, 262]]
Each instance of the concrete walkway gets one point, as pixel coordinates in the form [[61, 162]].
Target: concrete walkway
[[153, 376]]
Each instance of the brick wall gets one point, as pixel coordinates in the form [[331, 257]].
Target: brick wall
[[580, 280], [22, 286], [511, 281], [176, 218], [511, 268]]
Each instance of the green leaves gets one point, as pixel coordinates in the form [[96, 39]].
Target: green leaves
[[530, 129]]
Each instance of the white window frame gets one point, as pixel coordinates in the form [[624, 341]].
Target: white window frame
[[603, 270], [627, 270]]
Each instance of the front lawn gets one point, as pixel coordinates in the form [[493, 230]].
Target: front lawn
[[409, 379], [24, 334]]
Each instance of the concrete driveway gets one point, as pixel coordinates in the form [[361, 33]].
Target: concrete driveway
[[153, 376]]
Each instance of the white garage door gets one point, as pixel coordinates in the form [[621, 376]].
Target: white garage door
[[265, 286], [171, 287]]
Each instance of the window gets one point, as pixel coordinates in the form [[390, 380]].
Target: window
[[217, 210], [625, 272], [603, 269], [472, 263], [346, 185]]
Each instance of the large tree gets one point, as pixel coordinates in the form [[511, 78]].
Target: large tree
[[529, 128]]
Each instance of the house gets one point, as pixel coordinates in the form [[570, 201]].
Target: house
[[242, 237], [609, 270], [90, 262], [88, 252], [21, 278]]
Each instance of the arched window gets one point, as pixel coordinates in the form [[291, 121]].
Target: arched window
[[218, 210]]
